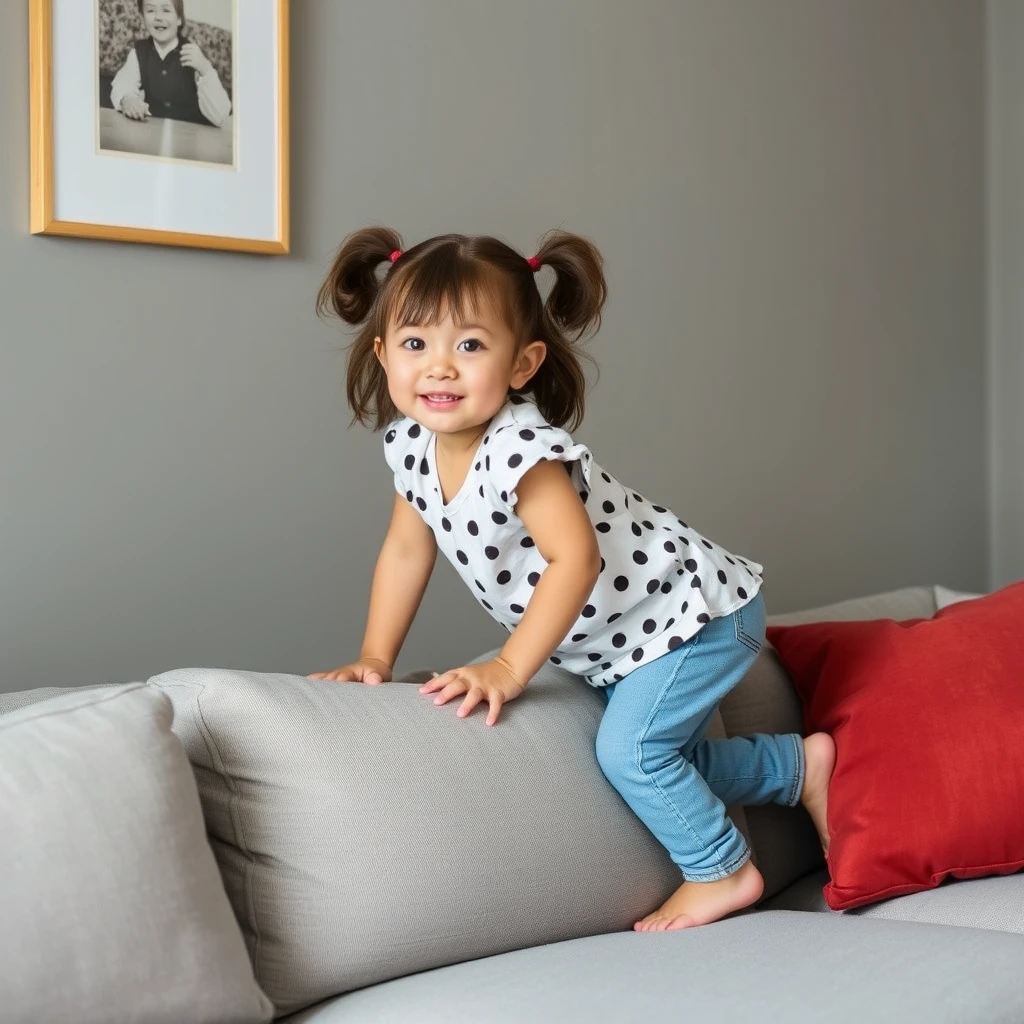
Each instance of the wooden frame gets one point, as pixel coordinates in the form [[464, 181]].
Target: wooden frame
[[43, 214]]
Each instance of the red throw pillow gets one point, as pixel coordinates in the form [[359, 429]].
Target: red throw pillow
[[928, 720]]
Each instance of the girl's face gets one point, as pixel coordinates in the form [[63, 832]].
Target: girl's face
[[162, 21], [454, 378]]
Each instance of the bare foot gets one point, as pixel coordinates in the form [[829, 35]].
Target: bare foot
[[696, 903], [820, 758]]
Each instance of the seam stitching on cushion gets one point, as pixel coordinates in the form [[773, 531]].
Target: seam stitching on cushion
[[215, 757], [51, 713]]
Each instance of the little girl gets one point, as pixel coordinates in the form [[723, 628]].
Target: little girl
[[166, 74], [474, 376]]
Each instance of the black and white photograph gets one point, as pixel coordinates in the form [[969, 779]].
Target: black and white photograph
[[161, 121], [165, 78]]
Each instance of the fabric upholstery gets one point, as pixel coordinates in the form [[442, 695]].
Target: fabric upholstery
[[363, 833], [777, 966], [112, 909]]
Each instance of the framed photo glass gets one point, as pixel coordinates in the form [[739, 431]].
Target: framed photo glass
[[161, 121]]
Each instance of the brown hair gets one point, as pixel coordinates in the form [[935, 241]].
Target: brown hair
[[449, 274]]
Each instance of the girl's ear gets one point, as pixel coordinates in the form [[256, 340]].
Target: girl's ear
[[378, 351], [527, 362]]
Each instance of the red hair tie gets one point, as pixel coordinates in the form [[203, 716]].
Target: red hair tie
[[534, 262], [395, 255]]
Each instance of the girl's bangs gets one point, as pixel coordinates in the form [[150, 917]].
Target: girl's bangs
[[446, 287]]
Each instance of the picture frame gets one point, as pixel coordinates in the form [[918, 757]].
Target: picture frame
[[149, 126]]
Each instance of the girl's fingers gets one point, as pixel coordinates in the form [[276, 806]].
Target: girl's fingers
[[453, 689], [472, 699], [437, 682], [496, 701]]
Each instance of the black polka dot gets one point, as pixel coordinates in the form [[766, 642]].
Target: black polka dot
[[481, 489], [691, 565], [604, 476], [638, 654], [722, 578], [649, 625], [703, 618], [594, 656], [483, 589], [462, 557], [408, 496], [602, 566], [504, 576], [514, 460], [447, 526], [389, 437], [583, 496], [742, 593], [603, 527], [527, 542], [635, 527], [517, 608], [577, 637], [607, 665], [487, 463], [686, 604], [557, 448], [729, 560], [414, 430], [499, 517], [669, 623], [477, 467], [652, 586], [608, 507], [659, 508], [424, 468], [621, 583], [707, 544], [554, 660], [527, 435], [617, 677], [613, 617], [666, 587], [619, 640], [639, 557], [533, 578], [422, 504], [669, 546], [588, 611], [648, 524], [674, 642], [695, 582], [504, 496], [487, 606], [410, 461], [637, 496], [491, 552], [472, 527]]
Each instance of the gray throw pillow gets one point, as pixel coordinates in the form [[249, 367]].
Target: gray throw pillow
[[111, 906], [364, 834]]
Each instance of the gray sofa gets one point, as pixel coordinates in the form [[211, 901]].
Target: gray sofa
[[219, 846]]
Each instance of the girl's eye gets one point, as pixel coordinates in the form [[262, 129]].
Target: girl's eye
[[470, 345], [413, 344]]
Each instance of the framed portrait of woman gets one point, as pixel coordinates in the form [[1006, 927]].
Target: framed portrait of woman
[[161, 121]]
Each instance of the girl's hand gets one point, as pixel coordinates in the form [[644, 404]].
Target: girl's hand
[[365, 670], [194, 58], [135, 107], [492, 681]]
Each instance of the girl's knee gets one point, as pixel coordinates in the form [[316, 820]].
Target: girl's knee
[[613, 755]]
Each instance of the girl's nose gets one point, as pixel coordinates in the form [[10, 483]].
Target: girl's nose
[[441, 367]]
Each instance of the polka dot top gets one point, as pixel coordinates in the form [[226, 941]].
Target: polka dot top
[[660, 580]]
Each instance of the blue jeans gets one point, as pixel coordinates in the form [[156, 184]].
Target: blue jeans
[[651, 748]]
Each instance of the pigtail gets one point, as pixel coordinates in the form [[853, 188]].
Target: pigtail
[[351, 286], [576, 300]]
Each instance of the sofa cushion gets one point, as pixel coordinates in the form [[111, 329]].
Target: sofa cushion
[[797, 968], [927, 716], [112, 908], [363, 833]]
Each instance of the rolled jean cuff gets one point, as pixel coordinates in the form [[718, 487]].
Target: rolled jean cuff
[[800, 770], [723, 872]]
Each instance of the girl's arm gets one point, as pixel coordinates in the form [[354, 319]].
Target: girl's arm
[[555, 518], [127, 82], [553, 513], [403, 570]]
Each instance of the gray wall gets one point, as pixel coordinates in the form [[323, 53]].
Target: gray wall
[[790, 200], [1006, 284]]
